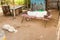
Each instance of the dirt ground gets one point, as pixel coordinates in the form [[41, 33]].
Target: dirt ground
[[31, 30], [58, 32]]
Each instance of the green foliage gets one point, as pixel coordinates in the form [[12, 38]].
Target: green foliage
[[4, 2], [19, 2]]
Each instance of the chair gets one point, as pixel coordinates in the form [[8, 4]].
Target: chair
[[6, 10]]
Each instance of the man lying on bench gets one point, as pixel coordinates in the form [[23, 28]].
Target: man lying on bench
[[44, 15]]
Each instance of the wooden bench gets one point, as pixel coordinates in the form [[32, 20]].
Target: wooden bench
[[27, 17]]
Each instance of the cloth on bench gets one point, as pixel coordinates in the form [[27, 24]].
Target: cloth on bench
[[37, 13]]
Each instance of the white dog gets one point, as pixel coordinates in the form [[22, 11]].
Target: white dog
[[9, 28]]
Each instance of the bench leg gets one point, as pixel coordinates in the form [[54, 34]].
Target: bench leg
[[45, 23], [22, 20]]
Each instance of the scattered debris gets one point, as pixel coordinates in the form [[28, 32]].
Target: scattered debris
[[9, 28]]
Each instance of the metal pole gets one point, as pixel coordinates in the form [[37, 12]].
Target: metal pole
[[46, 4], [14, 9], [27, 4]]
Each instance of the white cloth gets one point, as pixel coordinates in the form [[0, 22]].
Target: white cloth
[[37, 13], [32, 13], [9, 28]]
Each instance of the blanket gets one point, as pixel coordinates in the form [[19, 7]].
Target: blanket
[[37, 13]]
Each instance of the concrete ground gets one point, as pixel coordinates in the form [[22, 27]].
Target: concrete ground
[[31, 30]]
